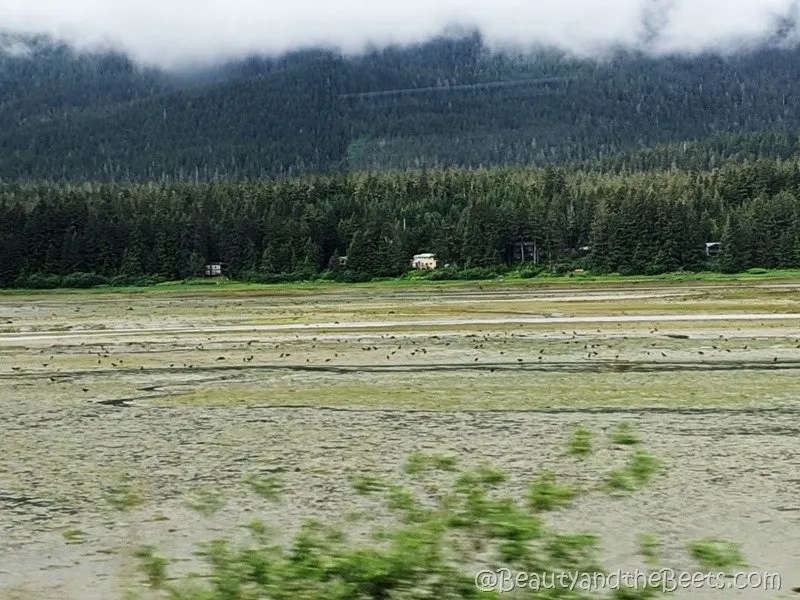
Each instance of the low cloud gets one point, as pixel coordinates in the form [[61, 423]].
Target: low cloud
[[175, 33]]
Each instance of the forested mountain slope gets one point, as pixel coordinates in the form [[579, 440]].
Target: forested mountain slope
[[41, 81], [66, 115]]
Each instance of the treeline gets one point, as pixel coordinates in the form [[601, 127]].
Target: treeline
[[705, 154], [291, 229]]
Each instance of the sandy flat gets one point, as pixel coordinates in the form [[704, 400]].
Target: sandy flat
[[177, 409]]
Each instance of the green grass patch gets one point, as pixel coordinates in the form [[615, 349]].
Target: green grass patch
[[712, 553], [159, 518], [624, 436], [205, 287], [269, 487], [649, 547], [206, 501], [153, 566], [643, 467], [124, 496], [510, 390], [620, 480], [581, 442], [546, 494], [74, 536], [419, 462], [638, 473], [258, 528], [365, 484]]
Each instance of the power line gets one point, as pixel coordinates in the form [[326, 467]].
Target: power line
[[454, 88]]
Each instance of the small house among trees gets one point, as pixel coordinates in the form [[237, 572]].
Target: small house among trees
[[424, 262], [713, 248], [216, 269], [522, 250]]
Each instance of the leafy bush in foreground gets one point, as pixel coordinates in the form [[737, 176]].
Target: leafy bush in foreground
[[436, 545]]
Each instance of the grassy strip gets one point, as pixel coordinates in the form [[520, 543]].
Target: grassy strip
[[203, 286]]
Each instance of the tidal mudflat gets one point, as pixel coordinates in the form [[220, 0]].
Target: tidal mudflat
[[119, 411]]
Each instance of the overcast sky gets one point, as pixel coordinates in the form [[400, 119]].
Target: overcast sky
[[178, 32]]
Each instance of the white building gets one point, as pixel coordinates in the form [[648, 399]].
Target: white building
[[424, 262], [215, 270]]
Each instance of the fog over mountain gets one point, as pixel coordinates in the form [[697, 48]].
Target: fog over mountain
[[180, 33]]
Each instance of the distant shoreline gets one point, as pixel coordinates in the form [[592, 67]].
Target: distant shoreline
[[222, 286]]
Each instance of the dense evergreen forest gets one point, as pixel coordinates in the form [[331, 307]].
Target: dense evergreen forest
[[110, 173], [448, 103], [296, 228]]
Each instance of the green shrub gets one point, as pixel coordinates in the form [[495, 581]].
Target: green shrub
[[83, 280], [366, 483], [416, 463], [268, 487], [74, 536], [561, 269], [443, 463], [643, 467], [399, 498], [529, 272], [575, 552], [432, 552], [481, 273], [649, 545], [545, 494], [144, 280], [123, 496], [623, 435], [714, 553], [468, 274], [581, 442], [620, 480], [206, 500], [350, 276], [640, 470], [153, 566], [38, 281], [149, 280], [123, 280], [445, 274], [270, 278], [419, 463]]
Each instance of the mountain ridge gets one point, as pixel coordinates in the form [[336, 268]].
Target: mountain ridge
[[68, 115]]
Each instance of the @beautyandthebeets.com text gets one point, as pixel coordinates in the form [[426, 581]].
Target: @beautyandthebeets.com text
[[665, 580]]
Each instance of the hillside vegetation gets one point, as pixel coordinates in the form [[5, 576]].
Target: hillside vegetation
[[446, 103]]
